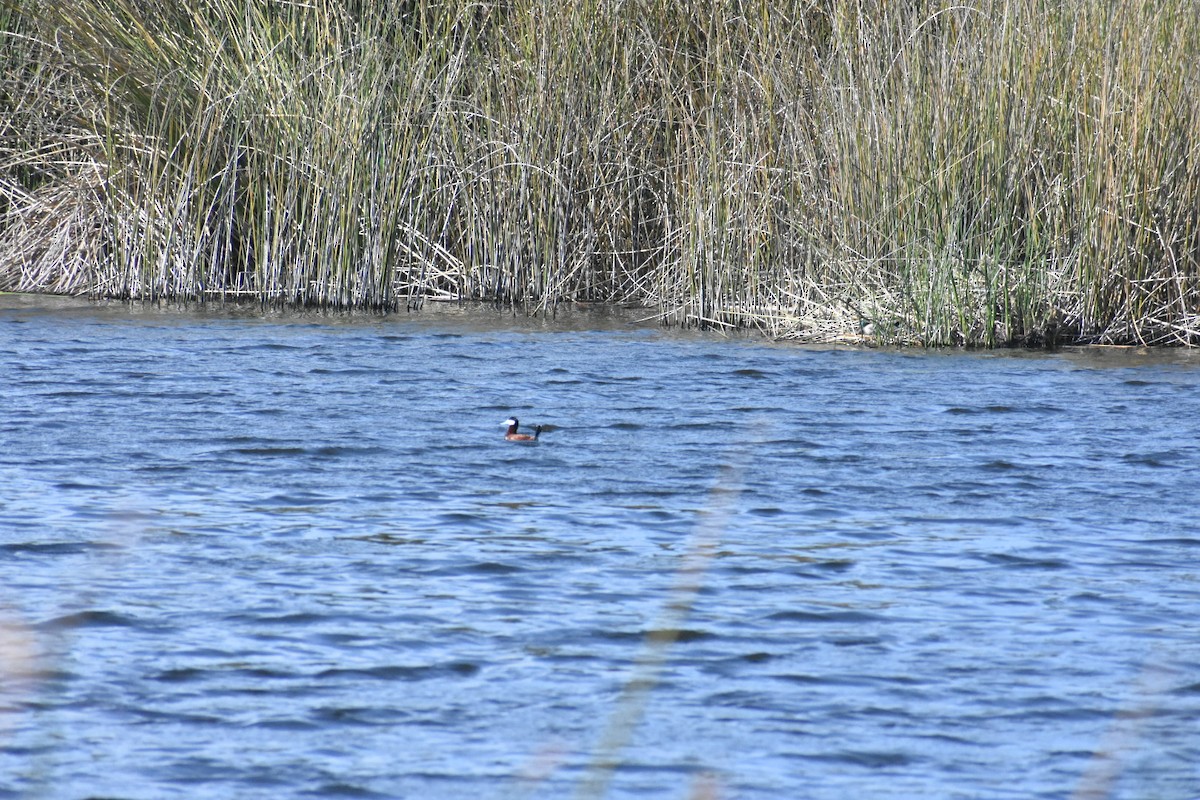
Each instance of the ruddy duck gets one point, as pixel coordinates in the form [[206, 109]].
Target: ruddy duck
[[513, 436]]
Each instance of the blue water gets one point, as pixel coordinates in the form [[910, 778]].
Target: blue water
[[264, 556]]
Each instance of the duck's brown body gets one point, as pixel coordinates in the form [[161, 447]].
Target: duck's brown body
[[512, 435]]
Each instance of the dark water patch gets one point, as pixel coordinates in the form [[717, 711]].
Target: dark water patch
[[1093, 598], [962, 410], [48, 675], [823, 680], [70, 394], [193, 771], [597, 379], [224, 672], [674, 635], [767, 511], [825, 616], [158, 469], [857, 641], [269, 451], [793, 444], [306, 501], [287, 724], [742, 699], [342, 372], [356, 641], [465, 519], [493, 568], [1142, 563], [1052, 709], [78, 486], [340, 789], [990, 409], [1035, 409], [517, 505], [347, 451], [967, 523], [360, 716], [94, 619], [678, 635], [192, 720], [836, 565], [1175, 542], [824, 511], [697, 425], [295, 619], [59, 548], [841, 459], [872, 760], [184, 675], [388, 538], [453, 669], [1012, 561], [268, 347], [1162, 458]]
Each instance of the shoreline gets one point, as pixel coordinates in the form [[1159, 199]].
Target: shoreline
[[487, 315]]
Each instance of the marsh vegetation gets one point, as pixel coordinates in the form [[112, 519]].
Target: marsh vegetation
[[980, 173]]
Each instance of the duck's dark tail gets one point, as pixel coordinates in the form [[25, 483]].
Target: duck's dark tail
[[537, 431]]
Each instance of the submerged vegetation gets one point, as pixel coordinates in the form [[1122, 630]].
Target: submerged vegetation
[[982, 173]]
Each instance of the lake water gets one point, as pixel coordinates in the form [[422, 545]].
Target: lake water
[[264, 556]]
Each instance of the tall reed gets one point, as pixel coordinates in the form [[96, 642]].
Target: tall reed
[[979, 174], [1021, 169]]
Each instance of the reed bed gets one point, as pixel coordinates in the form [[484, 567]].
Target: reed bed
[[883, 170]]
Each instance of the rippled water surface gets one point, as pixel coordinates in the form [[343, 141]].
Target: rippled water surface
[[291, 556]]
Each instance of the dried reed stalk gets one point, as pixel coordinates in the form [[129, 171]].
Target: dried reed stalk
[[979, 175]]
